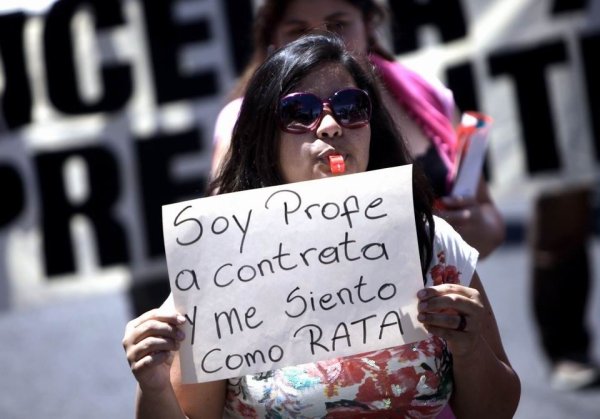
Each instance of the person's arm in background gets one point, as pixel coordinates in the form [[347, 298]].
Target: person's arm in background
[[485, 385], [476, 219]]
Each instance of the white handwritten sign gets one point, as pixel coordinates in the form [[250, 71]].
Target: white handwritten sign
[[295, 273]]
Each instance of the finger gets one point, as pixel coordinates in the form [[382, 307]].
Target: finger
[[157, 328], [167, 316], [425, 294], [134, 335], [150, 360], [155, 314], [444, 333], [452, 302], [149, 346], [443, 321]]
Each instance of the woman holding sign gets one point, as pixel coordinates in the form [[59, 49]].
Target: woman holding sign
[[284, 134], [422, 109]]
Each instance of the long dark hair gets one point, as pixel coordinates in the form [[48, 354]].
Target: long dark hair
[[252, 160], [269, 15]]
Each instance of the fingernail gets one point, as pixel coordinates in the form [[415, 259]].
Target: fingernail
[[422, 305], [422, 294], [180, 319], [420, 317], [180, 335]]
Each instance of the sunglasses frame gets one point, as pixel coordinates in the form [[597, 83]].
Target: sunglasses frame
[[328, 102]]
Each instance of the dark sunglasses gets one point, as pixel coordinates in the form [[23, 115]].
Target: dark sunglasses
[[301, 112]]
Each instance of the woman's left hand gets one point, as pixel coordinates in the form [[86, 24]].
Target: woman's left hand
[[453, 312]]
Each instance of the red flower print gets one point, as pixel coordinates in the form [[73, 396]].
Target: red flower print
[[369, 391], [353, 372], [404, 388], [451, 275], [432, 380], [430, 347], [444, 274], [408, 352], [245, 410]]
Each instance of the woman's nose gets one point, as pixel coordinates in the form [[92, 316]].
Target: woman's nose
[[328, 127]]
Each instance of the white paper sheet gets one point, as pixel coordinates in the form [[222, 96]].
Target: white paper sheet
[[335, 275]]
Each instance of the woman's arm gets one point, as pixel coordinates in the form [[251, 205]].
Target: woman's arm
[[157, 405], [179, 401], [151, 343], [476, 219], [485, 383], [199, 401]]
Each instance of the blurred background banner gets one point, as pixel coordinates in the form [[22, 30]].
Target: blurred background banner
[[107, 109]]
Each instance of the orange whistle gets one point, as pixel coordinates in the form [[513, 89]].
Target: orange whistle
[[336, 164]]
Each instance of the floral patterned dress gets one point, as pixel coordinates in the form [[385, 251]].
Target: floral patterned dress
[[413, 380]]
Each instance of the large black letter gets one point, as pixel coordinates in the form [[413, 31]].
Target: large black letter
[[158, 188], [16, 102], [60, 65], [166, 39], [410, 15], [528, 69], [239, 18], [462, 83], [57, 211], [560, 6], [13, 192], [590, 45]]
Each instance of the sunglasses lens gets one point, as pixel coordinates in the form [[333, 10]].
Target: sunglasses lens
[[352, 107], [298, 112]]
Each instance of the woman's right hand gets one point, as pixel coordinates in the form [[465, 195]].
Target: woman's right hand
[[149, 342]]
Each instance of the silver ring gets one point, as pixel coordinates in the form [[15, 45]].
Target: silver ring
[[462, 324]]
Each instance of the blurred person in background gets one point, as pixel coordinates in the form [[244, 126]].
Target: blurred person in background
[[559, 239], [422, 109]]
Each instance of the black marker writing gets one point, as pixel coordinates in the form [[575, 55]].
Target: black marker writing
[[291, 202], [344, 251], [190, 276], [233, 315], [219, 226], [193, 323], [176, 223], [236, 361], [344, 333]]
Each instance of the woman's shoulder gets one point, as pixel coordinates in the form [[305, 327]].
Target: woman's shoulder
[[232, 106], [229, 113], [226, 119], [444, 231], [454, 260]]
